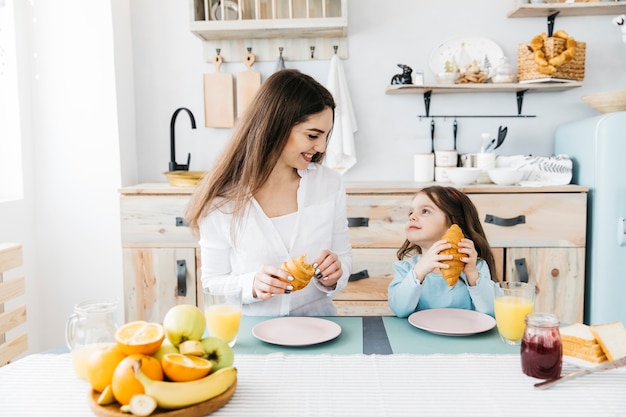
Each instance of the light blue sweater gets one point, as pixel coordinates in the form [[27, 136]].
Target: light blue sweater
[[407, 295]]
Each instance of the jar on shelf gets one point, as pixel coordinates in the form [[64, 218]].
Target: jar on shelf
[[504, 72], [541, 349]]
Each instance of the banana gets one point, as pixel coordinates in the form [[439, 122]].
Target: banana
[[173, 395], [191, 347]]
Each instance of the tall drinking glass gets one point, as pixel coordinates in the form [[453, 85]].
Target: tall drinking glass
[[513, 301], [222, 309]]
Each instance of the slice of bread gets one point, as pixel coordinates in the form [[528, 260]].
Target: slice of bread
[[578, 333], [579, 342], [612, 338]]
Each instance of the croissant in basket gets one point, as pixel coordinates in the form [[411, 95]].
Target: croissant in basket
[[300, 271], [453, 236]]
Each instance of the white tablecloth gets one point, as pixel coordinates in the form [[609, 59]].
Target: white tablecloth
[[346, 385]]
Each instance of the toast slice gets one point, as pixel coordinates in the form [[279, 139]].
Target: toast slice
[[612, 338], [579, 342]]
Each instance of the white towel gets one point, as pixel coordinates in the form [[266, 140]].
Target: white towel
[[340, 152]]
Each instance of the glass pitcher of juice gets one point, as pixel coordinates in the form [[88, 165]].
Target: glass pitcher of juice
[[90, 327]]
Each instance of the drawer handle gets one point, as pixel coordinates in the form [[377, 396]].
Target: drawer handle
[[181, 222], [181, 275], [359, 275], [358, 221], [500, 221], [522, 270]]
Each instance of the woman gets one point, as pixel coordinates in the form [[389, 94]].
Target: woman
[[418, 283], [269, 199]]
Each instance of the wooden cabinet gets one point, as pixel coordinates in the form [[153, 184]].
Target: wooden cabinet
[[160, 258], [547, 246], [162, 261]]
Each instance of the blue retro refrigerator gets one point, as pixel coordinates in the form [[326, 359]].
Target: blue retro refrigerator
[[597, 147]]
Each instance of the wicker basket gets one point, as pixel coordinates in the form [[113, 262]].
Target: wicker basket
[[573, 70]]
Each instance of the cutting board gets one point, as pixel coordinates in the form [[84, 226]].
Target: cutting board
[[197, 410], [219, 109], [248, 83]]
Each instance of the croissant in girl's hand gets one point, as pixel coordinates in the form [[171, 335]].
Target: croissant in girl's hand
[[453, 236]]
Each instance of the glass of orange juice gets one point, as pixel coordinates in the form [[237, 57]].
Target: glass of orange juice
[[222, 309], [513, 301]]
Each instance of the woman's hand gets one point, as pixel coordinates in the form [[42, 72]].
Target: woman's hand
[[269, 281], [431, 260], [467, 246], [327, 268]]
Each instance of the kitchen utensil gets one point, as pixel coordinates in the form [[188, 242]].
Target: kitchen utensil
[[455, 128], [280, 64], [501, 136], [248, 83], [219, 109], [432, 135], [484, 144], [609, 365]]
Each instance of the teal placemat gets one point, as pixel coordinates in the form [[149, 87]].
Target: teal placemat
[[350, 341], [405, 338]]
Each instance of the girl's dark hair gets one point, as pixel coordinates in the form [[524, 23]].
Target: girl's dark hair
[[459, 210]]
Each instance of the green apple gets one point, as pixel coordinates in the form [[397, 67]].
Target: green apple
[[166, 347], [218, 352], [183, 322]]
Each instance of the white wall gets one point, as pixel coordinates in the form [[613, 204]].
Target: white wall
[[68, 221], [169, 64], [99, 81]]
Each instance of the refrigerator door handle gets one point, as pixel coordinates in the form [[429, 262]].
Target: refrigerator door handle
[[522, 270], [621, 231]]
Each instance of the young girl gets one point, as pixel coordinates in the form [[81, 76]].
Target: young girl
[[417, 283]]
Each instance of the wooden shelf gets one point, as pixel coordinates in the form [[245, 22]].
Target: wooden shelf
[[517, 88], [480, 88], [568, 9]]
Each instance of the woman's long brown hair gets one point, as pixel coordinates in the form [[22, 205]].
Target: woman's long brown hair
[[287, 98], [460, 210]]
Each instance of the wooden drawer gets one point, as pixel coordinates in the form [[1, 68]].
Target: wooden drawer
[[155, 221], [551, 219], [386, 214]]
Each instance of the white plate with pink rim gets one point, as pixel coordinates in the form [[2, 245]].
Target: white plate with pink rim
[[452, 321], [296, 331]]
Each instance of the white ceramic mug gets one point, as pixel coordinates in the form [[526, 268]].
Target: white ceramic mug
[[445, 159], [441, 174], [485, 161], [423, 167]]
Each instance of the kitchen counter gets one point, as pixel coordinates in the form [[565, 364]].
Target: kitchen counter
[[373, 186]]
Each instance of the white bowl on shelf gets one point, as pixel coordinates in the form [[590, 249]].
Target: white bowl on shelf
[[463, 175], [505, 176]]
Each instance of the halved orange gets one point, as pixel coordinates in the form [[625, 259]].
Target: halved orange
[[140, 337], [179, 368]]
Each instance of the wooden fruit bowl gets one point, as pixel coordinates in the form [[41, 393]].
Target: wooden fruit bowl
[[197, 410]]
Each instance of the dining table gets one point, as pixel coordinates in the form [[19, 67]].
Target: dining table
[[373, 366]]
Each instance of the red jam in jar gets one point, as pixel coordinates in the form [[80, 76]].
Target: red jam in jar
[[541, 349]]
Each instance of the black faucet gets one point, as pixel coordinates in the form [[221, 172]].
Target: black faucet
[[173, 165]]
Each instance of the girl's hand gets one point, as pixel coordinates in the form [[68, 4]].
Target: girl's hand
[[431, 260], [269, 281], [327, 268], [466, 246]]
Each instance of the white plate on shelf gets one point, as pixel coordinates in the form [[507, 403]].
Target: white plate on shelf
[[477, 47], [452, 321], [231, 11], [296, 331]]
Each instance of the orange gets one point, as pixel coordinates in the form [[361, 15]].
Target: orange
[[124, 382], [140, 337], [101, 365], [179, 368]]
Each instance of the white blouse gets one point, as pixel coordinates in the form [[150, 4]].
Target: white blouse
[[320, 224]]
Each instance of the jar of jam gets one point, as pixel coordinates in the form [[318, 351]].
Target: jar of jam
[[541, 350]]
